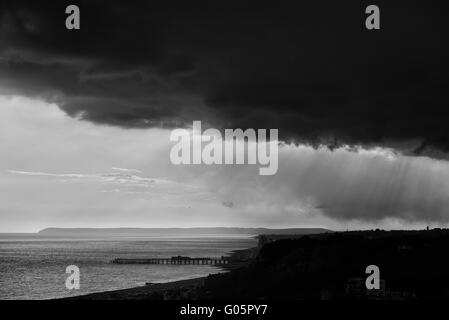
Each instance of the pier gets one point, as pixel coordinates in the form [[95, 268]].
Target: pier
[[174, 261]]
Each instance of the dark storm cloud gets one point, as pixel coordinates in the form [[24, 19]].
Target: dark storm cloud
[[311, 69]]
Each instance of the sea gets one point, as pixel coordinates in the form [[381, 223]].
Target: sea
[[34, 267]]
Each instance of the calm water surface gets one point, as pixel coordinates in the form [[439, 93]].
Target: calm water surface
[[34, 268]]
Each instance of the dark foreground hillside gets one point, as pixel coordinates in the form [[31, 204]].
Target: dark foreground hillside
[[413, 265]]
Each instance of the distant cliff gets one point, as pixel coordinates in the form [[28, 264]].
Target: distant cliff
[[142, 232]]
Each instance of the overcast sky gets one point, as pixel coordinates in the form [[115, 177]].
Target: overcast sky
[[60, 171], [85, 116]]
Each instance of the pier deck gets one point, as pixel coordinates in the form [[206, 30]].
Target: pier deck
[[174, 261]]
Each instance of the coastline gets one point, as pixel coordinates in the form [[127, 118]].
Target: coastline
[[165, 290], [157, 291]]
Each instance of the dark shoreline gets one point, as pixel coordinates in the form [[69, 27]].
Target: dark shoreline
[[155, 291]]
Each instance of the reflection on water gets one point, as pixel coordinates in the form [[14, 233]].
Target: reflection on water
[[34, 268]]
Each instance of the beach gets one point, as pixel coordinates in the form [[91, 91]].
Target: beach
[[157, 291]]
